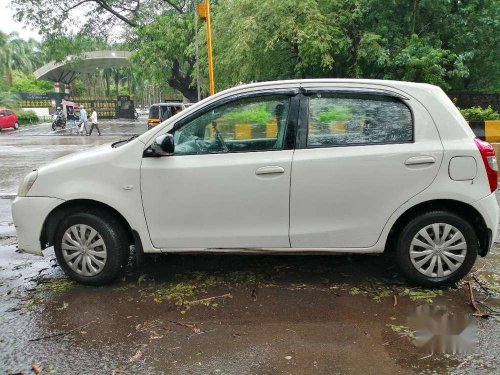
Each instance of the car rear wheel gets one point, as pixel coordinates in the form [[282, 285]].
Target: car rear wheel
[[16, 126], [437, 248], [91, 247]]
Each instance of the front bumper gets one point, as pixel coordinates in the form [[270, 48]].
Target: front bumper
[[489, 210], [29, 214]]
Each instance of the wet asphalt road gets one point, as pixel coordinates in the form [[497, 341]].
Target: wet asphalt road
[[220, 314]]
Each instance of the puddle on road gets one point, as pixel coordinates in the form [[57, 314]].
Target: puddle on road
[[227, 314]]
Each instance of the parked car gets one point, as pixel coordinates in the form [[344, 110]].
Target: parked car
[[8, 119], [302, 166], [162, 111]]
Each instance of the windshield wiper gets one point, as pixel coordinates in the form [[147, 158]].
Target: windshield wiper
[[124, 140]]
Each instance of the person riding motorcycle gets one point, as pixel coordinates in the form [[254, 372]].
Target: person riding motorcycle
[[59, 120]]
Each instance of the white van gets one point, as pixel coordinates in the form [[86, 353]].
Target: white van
[[303, 166]]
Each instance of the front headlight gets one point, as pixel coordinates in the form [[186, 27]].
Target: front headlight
[[27, 183]]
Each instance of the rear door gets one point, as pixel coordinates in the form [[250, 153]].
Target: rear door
[[360, 156]]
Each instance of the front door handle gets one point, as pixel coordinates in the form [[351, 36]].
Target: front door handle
[[271, 169], [419, 160]]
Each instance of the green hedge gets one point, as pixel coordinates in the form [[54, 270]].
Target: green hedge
[[480, 114], [27, 117]]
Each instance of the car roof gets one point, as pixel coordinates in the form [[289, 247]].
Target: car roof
[[333, 81], [168, 103]]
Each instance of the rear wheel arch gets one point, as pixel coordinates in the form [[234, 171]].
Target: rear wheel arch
[[464, 210], [57, 215]]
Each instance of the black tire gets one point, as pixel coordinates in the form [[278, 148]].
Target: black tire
[[16, 126], [403, 244], [54, 126], [114, 236]]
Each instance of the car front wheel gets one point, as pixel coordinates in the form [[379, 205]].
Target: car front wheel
[[91, 247], [16, 126], [437, 248]]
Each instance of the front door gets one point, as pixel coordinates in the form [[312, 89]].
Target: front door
[[227, 184], [361, 156]]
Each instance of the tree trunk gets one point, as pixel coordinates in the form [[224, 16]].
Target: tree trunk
[[108, 88], [117, 81], [414, 17], [182, 82]]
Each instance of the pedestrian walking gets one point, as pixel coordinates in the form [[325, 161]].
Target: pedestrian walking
[[72, 119], [83, 121], [93, 120]]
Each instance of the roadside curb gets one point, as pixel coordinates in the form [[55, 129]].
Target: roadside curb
[[488, 130]]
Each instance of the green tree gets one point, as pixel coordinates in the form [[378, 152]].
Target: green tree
[[164, 52], [22, 82], [452, 43]]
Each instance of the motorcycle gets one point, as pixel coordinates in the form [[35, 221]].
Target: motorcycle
[[58, 121]]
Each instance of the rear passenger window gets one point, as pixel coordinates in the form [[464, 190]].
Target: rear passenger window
[[357, 119]]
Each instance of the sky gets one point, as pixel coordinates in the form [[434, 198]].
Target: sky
[[8, 25]]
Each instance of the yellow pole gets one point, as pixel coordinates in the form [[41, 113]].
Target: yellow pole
[[209, 47]]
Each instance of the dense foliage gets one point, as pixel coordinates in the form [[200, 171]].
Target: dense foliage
[[480, 114], [26, 117], [451, 43]]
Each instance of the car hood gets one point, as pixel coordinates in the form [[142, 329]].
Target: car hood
[[75, 159], [86, 169]]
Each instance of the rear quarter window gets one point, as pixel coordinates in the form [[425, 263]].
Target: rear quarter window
[[357, 119]]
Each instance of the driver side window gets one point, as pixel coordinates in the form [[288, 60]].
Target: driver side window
[[244, 125]]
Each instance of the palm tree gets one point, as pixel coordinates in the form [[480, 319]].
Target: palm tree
[[9, 100], [5, 59], [17, 53]]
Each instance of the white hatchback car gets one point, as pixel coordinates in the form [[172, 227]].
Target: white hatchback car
[[304, 166]]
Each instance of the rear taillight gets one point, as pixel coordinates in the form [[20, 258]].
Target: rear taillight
[[490, 162]]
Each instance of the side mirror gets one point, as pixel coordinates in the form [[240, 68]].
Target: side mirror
[[163, 145]]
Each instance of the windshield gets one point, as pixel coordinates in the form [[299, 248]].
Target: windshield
[[154, 112]]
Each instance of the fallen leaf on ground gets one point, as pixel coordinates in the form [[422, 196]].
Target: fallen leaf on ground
[[63, 307], [37, 369], [136, 356], [155, 336]]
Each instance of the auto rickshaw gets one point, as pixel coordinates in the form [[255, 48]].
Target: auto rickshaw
[[159, 112]]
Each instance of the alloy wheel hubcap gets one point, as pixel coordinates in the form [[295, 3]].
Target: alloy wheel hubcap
[[438, 250], [84, 250]]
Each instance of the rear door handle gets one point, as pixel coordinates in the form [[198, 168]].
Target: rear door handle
[[271, 169], [419, 160]]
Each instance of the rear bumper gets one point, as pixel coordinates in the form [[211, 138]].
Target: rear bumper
[[29, 215], [489, 210]]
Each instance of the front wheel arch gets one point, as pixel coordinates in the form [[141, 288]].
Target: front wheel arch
[[57, 215]]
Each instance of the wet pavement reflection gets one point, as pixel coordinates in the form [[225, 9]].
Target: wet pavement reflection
[[224, 314]]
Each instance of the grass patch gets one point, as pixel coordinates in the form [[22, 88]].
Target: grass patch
[[58, 285], [186, 290], [402, 330]]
